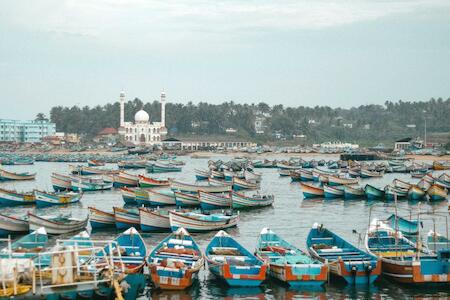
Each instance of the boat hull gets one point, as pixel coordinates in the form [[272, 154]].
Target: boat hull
[[53, 227]]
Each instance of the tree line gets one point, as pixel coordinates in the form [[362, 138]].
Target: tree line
[[364, 124]]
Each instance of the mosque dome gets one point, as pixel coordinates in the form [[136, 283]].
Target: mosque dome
[[141, 116]]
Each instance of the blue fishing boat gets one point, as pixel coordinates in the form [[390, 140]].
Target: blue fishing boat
[[101, 219], [126, 218], [89, 184], [27, 246], [241, 201], [175, 262], [405, 261], [288, 263], [373, 193], [351, 192], [162, 167], [7, 175], [186, 199], [199, 222], [44, 199], [390, 192], [407, 227], [345, 260], [331, 192], [61, 182], [415, 193], [128, 195], [201, 174], [11, 198], [132, 250], [242, 184], [154, 220], [311, 191], [209, 201], [230, 261]]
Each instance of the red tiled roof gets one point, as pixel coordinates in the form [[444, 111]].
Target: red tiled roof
[[107, 131]]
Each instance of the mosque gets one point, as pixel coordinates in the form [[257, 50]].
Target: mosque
[[142, 131]]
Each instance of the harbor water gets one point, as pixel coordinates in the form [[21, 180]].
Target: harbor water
[[291, 216]]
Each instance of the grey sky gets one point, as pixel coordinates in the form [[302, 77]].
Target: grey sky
[[336, 53]]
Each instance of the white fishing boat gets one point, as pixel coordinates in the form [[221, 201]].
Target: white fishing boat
[[56, 224]]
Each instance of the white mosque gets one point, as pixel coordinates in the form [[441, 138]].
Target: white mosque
[[142, 131]]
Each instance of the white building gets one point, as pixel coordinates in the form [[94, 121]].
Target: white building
[[142, 131]]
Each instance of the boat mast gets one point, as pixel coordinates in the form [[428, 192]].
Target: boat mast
[[396, 224]]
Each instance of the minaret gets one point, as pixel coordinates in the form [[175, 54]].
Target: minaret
[[163, 109], [122, 109]]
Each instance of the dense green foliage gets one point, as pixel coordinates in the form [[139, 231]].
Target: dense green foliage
[[370, 124]]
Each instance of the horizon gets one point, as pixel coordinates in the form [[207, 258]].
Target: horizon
[[292, 53]]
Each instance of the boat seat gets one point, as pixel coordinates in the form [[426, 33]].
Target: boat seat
[[179, 242]]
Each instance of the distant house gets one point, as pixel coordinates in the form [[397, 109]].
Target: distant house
[[403, 144], [347, 125], [366, 126], [172, 144], [230, 130], [107, 135], [260, 126]]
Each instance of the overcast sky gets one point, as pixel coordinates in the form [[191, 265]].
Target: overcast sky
[[337, 53]]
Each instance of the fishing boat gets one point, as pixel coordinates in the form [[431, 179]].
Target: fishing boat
[[437, 193], [345, 260], [354, 173], [295, 175], [437, 242], [370, 174], [154, 220], [401, 184], [84, 170], [242, 184], [217, 174], [311, 191], [151, 197], [194, 188], [409, 228], [61, 182], [9, 198], [175, 262], [44, 199], [122, 179], [148, 182], [305, 175], [444, 177], [8, 176], [441, 165], [351, 192], [286, 172], [403, 260], [288, 263], [229, 174], [336, 180], [128, 195], [126, 218], [56, 224], [132, 164], [230, 261], [162, 167], [331, 192], [415, 193], [10, 225], [373, 193], [209, 201], [27, 246], [390, 192], [199, 222], [186, 199], [90, 184], [95, 163], [242, 201], [201, 174], [132, 249], [101, 219], [251, 176]]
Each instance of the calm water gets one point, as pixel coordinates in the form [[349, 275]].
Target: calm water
[[291, 216]]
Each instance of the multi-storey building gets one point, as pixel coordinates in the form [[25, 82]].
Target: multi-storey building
[[25, 131]]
